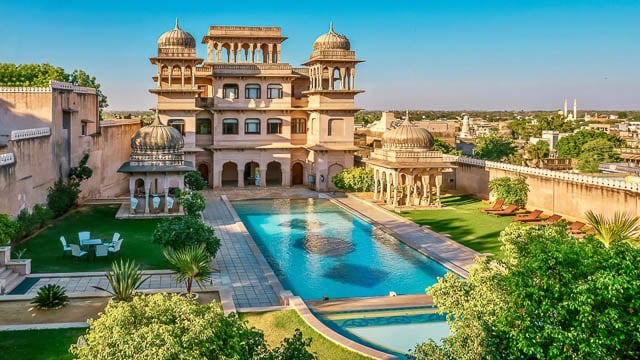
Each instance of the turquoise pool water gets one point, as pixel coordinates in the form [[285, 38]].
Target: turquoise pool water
[[318, 250], [396, 331]]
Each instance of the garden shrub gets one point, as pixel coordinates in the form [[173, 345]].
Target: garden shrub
[[194, 181], [354, 179], [62, 196], [514, 191], [27, 223], [8, 229], [171, 327], [50, 296], [178, 233], [192, 202]]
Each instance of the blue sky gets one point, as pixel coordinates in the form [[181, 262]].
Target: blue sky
[[451, 55]]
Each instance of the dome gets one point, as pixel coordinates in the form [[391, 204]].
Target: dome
[[177, 38], [408, 136], [156, 137], [331, 41]]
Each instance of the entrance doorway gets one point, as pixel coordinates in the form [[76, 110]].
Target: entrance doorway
[[296, 174], [229, 174], [274, 174], [251, 174], [204, 172]]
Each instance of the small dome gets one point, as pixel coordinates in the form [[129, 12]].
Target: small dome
[[177, 38], [156, 137], [331, 41], [408, 136]]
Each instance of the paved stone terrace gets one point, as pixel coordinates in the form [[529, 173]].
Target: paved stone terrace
[[235, 259]]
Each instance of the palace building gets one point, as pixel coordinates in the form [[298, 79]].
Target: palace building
[[248, 119]]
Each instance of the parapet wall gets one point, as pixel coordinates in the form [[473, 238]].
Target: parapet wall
[[569, 195]]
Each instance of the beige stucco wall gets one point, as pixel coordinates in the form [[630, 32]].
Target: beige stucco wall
[[553, 196]]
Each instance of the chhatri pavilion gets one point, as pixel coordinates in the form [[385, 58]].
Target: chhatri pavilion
[[407, 169], [156, 167]]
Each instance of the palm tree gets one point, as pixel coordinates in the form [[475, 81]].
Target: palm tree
[[620, 227], [191, 264]]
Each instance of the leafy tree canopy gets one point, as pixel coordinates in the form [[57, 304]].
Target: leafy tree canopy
[[514, 191], [177, 233], [444, 147], [38, 75], [539, 150], [493, 147], [570, 147], [596, 152], [550, 297], [194, 181], [354, 179], [171, 327]]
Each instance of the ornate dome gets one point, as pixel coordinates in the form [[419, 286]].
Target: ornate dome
[[331, 41], [177, 38], [157, 145], [408, 136]]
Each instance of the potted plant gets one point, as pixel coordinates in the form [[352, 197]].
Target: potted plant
[[191, 263], [51, 296], [125, 279]]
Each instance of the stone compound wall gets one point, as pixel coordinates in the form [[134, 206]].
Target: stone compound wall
[[569, 195]]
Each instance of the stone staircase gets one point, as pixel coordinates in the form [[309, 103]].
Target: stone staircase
[[12, 272]]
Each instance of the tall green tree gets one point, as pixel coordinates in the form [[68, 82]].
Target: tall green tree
[[493, 147], [570, 147], [514, 191], [595, 153], [539, 150], [550, 296], [444, 147]]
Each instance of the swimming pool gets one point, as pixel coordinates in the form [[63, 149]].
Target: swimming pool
[[395, 331], [319, 250]]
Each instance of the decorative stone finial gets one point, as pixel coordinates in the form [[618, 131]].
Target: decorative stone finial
[[157, 121], [177, 26], [331, 27], [406, 120]]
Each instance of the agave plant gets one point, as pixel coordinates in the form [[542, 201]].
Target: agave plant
[[125, 279], [620, 227], [191, 264], [51, 296]]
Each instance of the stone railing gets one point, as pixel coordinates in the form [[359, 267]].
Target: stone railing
[[67, 86], [24, 89], [578, 178], [29, 133], [422, 154], [7, 159]]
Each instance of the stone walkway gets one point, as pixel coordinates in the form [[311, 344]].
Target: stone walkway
[[452, 255], [236, 261]]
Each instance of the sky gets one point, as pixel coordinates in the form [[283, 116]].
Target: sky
[[421, 54]]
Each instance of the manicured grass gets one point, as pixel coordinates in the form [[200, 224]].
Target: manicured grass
[[277, 325], [462, 220], [45, 249], [39, 344]]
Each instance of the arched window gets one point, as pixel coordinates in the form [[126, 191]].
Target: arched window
[[252, 91], [178, 124], [230, 91], [252, 126], [274, 126], [274, 91], [203, 126], [298, 126], [336, 79], [230, 127]]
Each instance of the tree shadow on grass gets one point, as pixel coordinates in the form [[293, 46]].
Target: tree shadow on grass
[[465, 234]]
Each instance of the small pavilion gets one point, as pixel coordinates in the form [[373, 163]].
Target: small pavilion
[[407, 169], [156, 167]]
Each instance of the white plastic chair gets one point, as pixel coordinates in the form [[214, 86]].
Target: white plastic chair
[[169, 201], [65, 247], [115, 248], [76, 252], [102, 250], [156, 202], [115, 238], [84, 235], [134, 204]]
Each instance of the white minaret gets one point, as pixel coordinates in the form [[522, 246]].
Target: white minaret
[[575, 109], [565, 109], [464, 133]]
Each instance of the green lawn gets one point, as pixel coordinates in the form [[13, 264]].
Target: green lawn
[[45, 249], [39, 344], [277, 325], [462, 220]]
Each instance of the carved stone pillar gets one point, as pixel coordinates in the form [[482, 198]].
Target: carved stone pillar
[[438, 185], [147, 189], [241, 178], [166, 193], [182, 75]]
